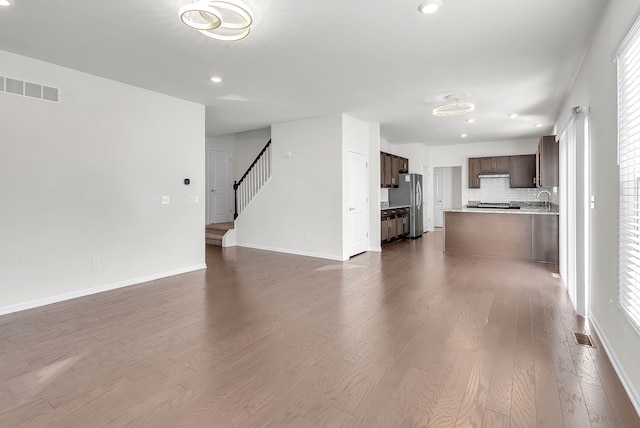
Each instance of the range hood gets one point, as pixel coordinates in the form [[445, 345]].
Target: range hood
[[493, 175]]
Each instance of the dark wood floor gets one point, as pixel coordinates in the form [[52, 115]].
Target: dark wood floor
[[409, 337]]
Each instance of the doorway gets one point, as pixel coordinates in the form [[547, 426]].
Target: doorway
[[438, 195], [447, 191], [358, 218], [220, 186]]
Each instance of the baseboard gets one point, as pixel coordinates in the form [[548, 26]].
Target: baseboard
[[376, 249], [94, 290], [615, 362], [289, 251]]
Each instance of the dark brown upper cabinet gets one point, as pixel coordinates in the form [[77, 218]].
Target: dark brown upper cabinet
[[474, 171], [522, 171], [495, 165], [547, 162]]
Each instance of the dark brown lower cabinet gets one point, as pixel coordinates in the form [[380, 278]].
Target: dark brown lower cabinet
[[394, 224], [545, 238]]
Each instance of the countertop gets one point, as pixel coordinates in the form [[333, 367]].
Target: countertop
[[540, 211], [394, 207]]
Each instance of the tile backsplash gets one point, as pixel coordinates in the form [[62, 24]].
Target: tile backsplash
[[496, 189]]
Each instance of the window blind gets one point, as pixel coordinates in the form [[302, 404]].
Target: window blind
[[628, 60]]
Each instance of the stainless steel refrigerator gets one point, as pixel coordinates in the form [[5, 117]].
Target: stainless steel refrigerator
[[409, 192]]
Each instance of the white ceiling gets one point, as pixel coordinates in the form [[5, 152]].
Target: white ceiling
[[377, 60]]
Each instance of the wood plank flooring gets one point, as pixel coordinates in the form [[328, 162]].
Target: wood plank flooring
[[409, 337]]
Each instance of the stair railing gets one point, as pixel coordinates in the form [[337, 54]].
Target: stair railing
[[253, 179]]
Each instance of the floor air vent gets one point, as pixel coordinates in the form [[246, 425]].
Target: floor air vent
[[28, 89], [583, 339]]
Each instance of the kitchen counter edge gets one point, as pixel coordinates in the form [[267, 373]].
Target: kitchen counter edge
[[536, 211]]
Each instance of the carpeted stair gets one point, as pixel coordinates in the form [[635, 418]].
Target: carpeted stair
[[214, 232]]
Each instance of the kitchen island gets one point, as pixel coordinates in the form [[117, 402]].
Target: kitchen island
[[525, 234]]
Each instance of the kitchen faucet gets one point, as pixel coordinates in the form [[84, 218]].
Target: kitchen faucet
[[548, 203]]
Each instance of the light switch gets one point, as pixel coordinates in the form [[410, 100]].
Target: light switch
[[193, 199], [593, 202], [165, 200]]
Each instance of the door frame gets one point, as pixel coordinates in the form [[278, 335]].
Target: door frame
[[210, 171], [349, 248], [438, 184]]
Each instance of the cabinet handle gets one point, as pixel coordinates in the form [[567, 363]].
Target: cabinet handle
[[534, 180]]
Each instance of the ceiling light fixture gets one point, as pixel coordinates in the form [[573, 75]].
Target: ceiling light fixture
[[221, 20], [463, 135], [470, 120], [430, 6], [215, 79], [6, 2], [538, 125], [512, 115], [453, 109]]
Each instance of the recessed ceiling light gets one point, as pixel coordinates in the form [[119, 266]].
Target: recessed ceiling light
[[463, 135], [215, 79], [430, 6], [538, 125], [512, 115], [470, 120], [6, 2]]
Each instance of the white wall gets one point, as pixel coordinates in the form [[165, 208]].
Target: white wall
[[83, 179], [299, 210], [303, 208], [596, 87], [375, 192], [248, 145]]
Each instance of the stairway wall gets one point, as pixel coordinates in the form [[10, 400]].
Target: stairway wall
[[299, 210]]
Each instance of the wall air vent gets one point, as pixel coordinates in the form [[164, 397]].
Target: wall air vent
[[28, 89]]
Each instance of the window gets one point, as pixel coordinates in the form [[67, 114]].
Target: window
[[627, 57]]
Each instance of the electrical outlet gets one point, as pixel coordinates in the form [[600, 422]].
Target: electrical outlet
[[193, 199], [96, 263], [165, 200], [610, 307]]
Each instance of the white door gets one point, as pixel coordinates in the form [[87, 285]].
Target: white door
[[438, 191], [220, 187], [358, 218]]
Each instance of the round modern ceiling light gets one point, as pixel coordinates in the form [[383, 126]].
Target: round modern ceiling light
[[220, 20], [430, 6], [215, 79], [470, 120], [453, 109], [463, 135], [513, 115]]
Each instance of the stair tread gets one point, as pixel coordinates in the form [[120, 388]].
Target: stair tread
[[220, 226]]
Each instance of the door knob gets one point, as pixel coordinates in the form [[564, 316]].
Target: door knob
[[213, 190], [351, 209]]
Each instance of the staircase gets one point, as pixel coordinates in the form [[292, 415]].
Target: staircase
[[215, 231], [258, 173]]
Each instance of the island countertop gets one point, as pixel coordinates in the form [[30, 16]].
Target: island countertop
[[541, 211]]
